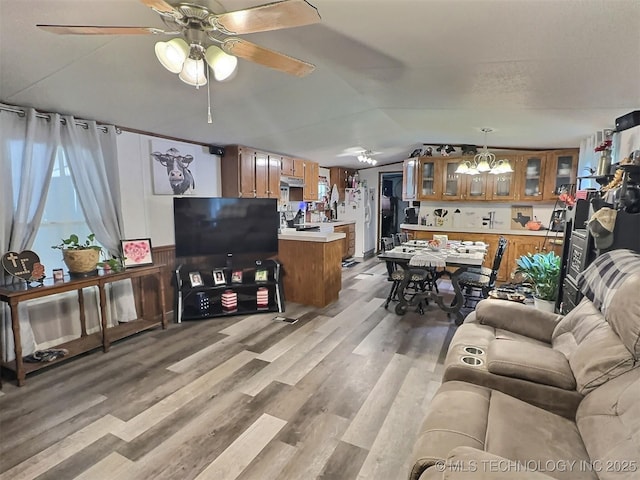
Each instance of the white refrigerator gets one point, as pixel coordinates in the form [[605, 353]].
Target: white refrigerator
[[358, 206]]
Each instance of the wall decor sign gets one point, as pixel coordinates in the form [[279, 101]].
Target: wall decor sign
[[137, 252], [520, 215], [24, 265], [174, 168]]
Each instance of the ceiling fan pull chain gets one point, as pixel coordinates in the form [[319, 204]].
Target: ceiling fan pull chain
[[209, 119]]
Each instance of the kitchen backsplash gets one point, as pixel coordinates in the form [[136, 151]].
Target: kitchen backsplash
[[490, 216]]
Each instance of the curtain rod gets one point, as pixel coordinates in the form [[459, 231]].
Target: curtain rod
[[20, 112]]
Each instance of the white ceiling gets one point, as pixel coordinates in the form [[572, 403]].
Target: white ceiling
[[391, 74]]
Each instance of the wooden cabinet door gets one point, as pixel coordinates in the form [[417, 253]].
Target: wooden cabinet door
[[530, 173], [452, 182], [298, 168], [561, 173], [520, 245], [286, 166], [247, 174], [274, 163], [310, 191], [429, 178], [409, 179], [502, 186], [262, 175]]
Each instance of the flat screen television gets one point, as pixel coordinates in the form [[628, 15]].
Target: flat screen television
[[246, 227]]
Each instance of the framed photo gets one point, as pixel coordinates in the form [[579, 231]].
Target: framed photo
[[261, 275], [196, 279], [236, 276], [174, 167], [137, 252], [218, 277]]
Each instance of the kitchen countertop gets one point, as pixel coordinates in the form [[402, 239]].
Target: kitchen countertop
[[334, 224], [496, 231], [306, 236]]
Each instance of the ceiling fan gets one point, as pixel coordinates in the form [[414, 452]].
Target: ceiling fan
[[201, 33], [362, 154]]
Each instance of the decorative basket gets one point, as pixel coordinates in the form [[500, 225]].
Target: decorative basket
[[81, 261]]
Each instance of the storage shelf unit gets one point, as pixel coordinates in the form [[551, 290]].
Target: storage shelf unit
[[205, 301]]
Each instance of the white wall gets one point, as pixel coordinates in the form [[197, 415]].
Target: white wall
[[146, 215]]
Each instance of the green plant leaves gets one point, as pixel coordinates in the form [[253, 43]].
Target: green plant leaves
[[543, 270]]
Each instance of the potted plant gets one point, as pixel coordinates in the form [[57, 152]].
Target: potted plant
[[543, 271], [80, 257]]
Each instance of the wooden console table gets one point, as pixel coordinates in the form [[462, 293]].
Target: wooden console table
[[13, 294]]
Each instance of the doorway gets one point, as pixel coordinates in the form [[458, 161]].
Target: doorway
[[390, 204]]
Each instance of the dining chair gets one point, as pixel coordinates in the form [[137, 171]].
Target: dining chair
[[477, 282], [419, 277]]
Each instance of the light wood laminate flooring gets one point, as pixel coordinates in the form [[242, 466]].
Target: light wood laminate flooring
[[339, 395]]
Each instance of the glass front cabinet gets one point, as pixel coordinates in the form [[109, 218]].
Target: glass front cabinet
[[561, 170], [409, 172], [452, 182], [530, 171], [429, 186], [502, 186]]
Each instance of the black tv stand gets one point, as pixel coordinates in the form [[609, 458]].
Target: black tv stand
[[218, 287]]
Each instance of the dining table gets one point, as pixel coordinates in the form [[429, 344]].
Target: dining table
[[418, 254]]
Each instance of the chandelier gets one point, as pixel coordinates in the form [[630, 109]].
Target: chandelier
[[365, 157], [484, 161]]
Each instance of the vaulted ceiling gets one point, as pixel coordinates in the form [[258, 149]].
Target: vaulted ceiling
[[390, 75]]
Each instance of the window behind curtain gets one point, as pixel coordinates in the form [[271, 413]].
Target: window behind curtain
[[62, 216]]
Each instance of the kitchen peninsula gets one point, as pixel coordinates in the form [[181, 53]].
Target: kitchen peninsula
[[312, 266]]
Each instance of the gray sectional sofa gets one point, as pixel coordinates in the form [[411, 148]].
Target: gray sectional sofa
[[533, 395]]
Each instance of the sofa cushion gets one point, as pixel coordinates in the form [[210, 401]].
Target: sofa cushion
[[596, 354], [530, 362], [609, 421], [606, 274], [624, 314], [532, 436]]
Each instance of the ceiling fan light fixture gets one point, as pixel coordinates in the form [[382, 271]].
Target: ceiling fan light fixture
[[172, 54], [223, 65], [193, 72]]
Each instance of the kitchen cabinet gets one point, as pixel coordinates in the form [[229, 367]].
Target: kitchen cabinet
[[292, 167], [429, 173], [536, 177], [503, 186], [409, 179], [530, 172], [342, 178], [349, 242], [250, 173], [311, 174], [561, 173]]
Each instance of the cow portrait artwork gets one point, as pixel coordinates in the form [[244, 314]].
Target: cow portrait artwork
[[181, 179]]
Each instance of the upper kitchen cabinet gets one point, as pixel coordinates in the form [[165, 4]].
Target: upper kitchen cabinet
[[409, 182], [452, 183], [502, 186], [531, 175], [429, 174], [292, 167], [311, 174], [561, 173], [249, 173]]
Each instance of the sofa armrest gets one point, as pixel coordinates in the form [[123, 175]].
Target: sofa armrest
[[529, 361], [468, 463], [517, 318]]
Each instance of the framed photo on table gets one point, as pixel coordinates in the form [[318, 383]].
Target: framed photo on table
[[218, 277], [196, 279], [136, 252]]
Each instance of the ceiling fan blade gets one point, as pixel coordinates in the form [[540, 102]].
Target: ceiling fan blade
[[269, 58], [98, 30], [160, 6], [273, 16]]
